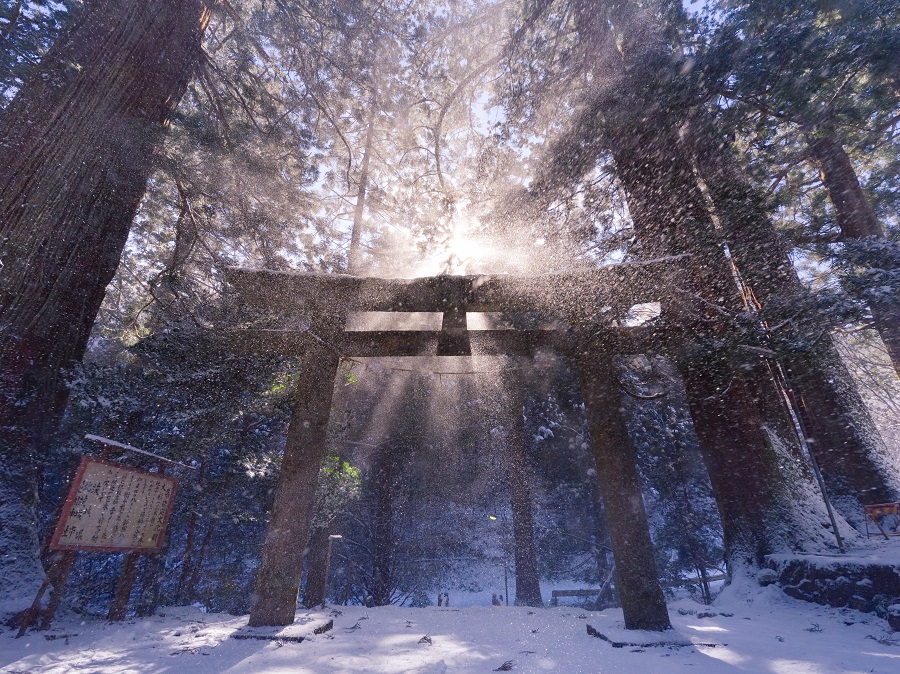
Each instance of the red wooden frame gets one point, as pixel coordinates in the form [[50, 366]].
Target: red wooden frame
[[70, 500]]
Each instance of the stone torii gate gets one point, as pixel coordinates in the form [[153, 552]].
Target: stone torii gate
[[306, 314]]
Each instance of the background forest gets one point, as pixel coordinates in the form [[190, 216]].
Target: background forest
[[404, 138]]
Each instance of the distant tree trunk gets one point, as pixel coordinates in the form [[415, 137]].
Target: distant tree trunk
[[201, 555], [315, 592], [151, 583], [186, 557], [857, 220], [528, 587], [841, 431], [601, 544], [77, 148], [383, 543], [354, 257]]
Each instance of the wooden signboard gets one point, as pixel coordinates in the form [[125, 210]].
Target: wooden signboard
[[111, 508]]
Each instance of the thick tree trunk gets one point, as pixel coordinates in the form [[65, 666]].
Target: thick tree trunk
[[841, 431], [857, 220], [76, 151], [743, 470], [528, 587], [672, 217], [643, 603], [278, 582]]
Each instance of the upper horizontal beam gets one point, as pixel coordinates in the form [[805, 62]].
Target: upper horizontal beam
[[575, 293]]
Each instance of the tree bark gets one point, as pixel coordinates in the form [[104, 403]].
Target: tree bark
[[854, 215], [77, 148], [857, 220], [840, 429], [743, 470], [278, 582], [672, 217]]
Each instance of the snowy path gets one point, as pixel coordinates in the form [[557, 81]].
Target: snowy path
[[771, 633]]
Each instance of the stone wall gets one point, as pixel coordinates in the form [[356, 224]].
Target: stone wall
[[864, 585]]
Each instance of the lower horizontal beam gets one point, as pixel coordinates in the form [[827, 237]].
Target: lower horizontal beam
[[375, 344]]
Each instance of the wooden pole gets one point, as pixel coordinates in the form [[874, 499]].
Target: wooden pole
[[640, 594], [278, 582], [119, 604], [57, 576]]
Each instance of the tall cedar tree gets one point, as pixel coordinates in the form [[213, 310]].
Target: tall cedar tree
[[655, 166], [76, 150], [824, 70]]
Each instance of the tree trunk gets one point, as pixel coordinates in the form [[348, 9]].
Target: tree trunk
[[151, 583], [602, 544], [278, 582], [383, 542], [354, 257], [76, 151], [840, 429], [671, 217], [201, 555], [528, 587], [743, 470], [187, 557], [854, 215], [315, 593], [857, 220]]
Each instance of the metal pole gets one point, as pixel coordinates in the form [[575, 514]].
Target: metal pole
[[506, 581]]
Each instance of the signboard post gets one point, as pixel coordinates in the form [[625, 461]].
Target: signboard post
[[109, 508]]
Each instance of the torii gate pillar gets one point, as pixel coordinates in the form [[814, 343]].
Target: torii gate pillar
[[643, 603], [278, 582]]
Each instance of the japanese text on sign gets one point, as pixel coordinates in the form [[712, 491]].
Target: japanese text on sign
[[113, 508]]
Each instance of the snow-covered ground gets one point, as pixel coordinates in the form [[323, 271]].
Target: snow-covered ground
[[759, 630]]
